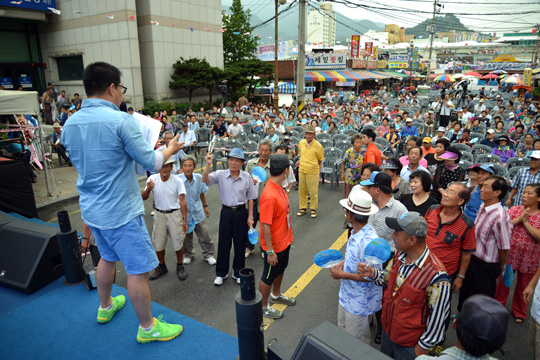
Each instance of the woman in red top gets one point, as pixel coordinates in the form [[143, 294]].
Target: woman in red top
[[373, 154], [524, 255]]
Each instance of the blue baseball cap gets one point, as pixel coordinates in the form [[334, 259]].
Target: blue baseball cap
[[378, 178], [485, 167], [237, 153]]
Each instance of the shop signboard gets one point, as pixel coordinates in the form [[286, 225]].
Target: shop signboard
[[38, 5], [398, 65], [345, 83], [355, 47], [516, 66], [267, 52], [368, 48], [25, 81], [415, 58], [326, 60], [6, 82], [361, 64]]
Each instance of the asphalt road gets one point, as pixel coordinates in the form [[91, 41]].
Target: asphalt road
[[317, 301]]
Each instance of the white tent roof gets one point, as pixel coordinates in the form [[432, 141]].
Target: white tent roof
[[19, 102]]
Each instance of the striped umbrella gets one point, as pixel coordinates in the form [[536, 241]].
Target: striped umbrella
[[444, 78], [498, 72], [513, 80]]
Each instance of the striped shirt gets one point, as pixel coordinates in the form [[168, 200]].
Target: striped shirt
[[392, 209], [438, 296], [523, 178], [493, 228]]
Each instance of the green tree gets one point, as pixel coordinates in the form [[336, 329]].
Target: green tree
[[248, 73], [192, 74], [237, 45]]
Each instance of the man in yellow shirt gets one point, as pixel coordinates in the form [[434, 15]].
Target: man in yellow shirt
[[311, 155]]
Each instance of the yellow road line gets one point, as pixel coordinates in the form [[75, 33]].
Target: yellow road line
[[305, 279]]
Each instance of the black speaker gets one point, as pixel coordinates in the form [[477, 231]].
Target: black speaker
[[328, 342], [29, 255]]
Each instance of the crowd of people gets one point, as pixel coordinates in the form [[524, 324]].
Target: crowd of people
[[451, 228]]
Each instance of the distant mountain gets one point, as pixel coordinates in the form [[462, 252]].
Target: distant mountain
[[288, 23], [445, 23]]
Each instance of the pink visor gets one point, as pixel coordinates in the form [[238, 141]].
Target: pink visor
[[449, 156]]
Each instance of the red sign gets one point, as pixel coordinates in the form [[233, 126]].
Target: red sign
[[369, 48], [355, 46]]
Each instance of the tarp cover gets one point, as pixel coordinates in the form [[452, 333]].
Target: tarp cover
[[16, 193], [18, 102]]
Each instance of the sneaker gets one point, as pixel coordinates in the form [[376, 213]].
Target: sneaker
[[104, 316], [187, 260], [210, 260], [158, 272], [219, 280], [236, 278], [282, 299], [153, 213], [272, 313], [181, 273], [249, 252], [160, 331]]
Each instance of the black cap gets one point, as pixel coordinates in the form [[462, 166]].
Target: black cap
[[279, 161], [483, 320]]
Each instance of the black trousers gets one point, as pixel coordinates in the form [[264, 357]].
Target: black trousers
[[481, 278], [233, 230], [444, 120]]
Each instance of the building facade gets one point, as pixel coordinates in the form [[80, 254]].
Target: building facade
[[321, 26], [55, 41]]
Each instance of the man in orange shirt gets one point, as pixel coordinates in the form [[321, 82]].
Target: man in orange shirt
[[373, 154], [276, 236], [426, 146]]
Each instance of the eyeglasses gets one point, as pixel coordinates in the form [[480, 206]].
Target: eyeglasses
[[124, 89]]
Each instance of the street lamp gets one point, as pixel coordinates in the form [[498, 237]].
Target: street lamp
[[276, 72]]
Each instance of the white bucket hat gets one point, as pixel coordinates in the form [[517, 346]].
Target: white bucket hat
[[359, 202]]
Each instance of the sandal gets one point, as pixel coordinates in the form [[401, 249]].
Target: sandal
[[313, 213], [519, 320], [301, 212]]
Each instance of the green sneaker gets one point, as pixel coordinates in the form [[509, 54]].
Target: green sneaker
[[272, 313], [160, 331], [104, 316], [282, 299]]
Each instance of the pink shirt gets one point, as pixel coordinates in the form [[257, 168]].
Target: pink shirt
[[524, 255], [493, 228], [404, 160]]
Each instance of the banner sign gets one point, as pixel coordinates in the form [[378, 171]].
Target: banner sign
[[266, 52], [355, 47], [344, 83], [25, 81], [503, 66], [375, 52], [527, 77], [369, 48], [361, 64], [398, 58], [6, 82], [325, 60], [415, 58]]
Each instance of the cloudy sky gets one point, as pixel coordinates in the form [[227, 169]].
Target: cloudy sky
[[480, 15]]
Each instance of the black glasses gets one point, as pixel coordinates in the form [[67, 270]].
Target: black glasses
[[124, 89]]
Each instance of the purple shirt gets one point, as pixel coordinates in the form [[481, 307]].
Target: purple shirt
[[233, 192], [505, 155]]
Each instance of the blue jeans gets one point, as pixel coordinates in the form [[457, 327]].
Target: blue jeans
[[395, 351]]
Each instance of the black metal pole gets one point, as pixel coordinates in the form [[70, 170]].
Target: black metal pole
[[249, 318], [70, 251]]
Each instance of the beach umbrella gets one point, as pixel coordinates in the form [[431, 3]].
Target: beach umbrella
[[489, 76], [473, 73], [513, 80], [444, 78], [498, 72], [459, 76]]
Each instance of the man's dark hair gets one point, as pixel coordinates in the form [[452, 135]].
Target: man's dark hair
[[130, 108], [424, 177], [405, 113], [98, 76], [499, 183], [235, 117], [370, 133], [444, 141], [521, 126], [415, 139], [464, 193], [76, 94], [281, 147], [360, 218]]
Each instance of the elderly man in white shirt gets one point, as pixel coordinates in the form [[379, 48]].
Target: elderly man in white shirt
[[188, 137], [234, 129]]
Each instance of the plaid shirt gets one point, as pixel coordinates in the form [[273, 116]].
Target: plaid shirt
[[493, 228], [523, 178]]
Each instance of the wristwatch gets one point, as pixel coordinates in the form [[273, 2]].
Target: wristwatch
[[271, 252]]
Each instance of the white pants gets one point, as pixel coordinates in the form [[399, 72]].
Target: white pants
[[356, 325]]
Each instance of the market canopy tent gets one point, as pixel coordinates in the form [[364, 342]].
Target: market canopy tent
[[19, 102]]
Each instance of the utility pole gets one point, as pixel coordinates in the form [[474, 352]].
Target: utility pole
[[276, 70], [535, 54], [431, 29], [301, 83]]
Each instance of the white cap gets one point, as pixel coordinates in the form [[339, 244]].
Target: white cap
[[535, 154]]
